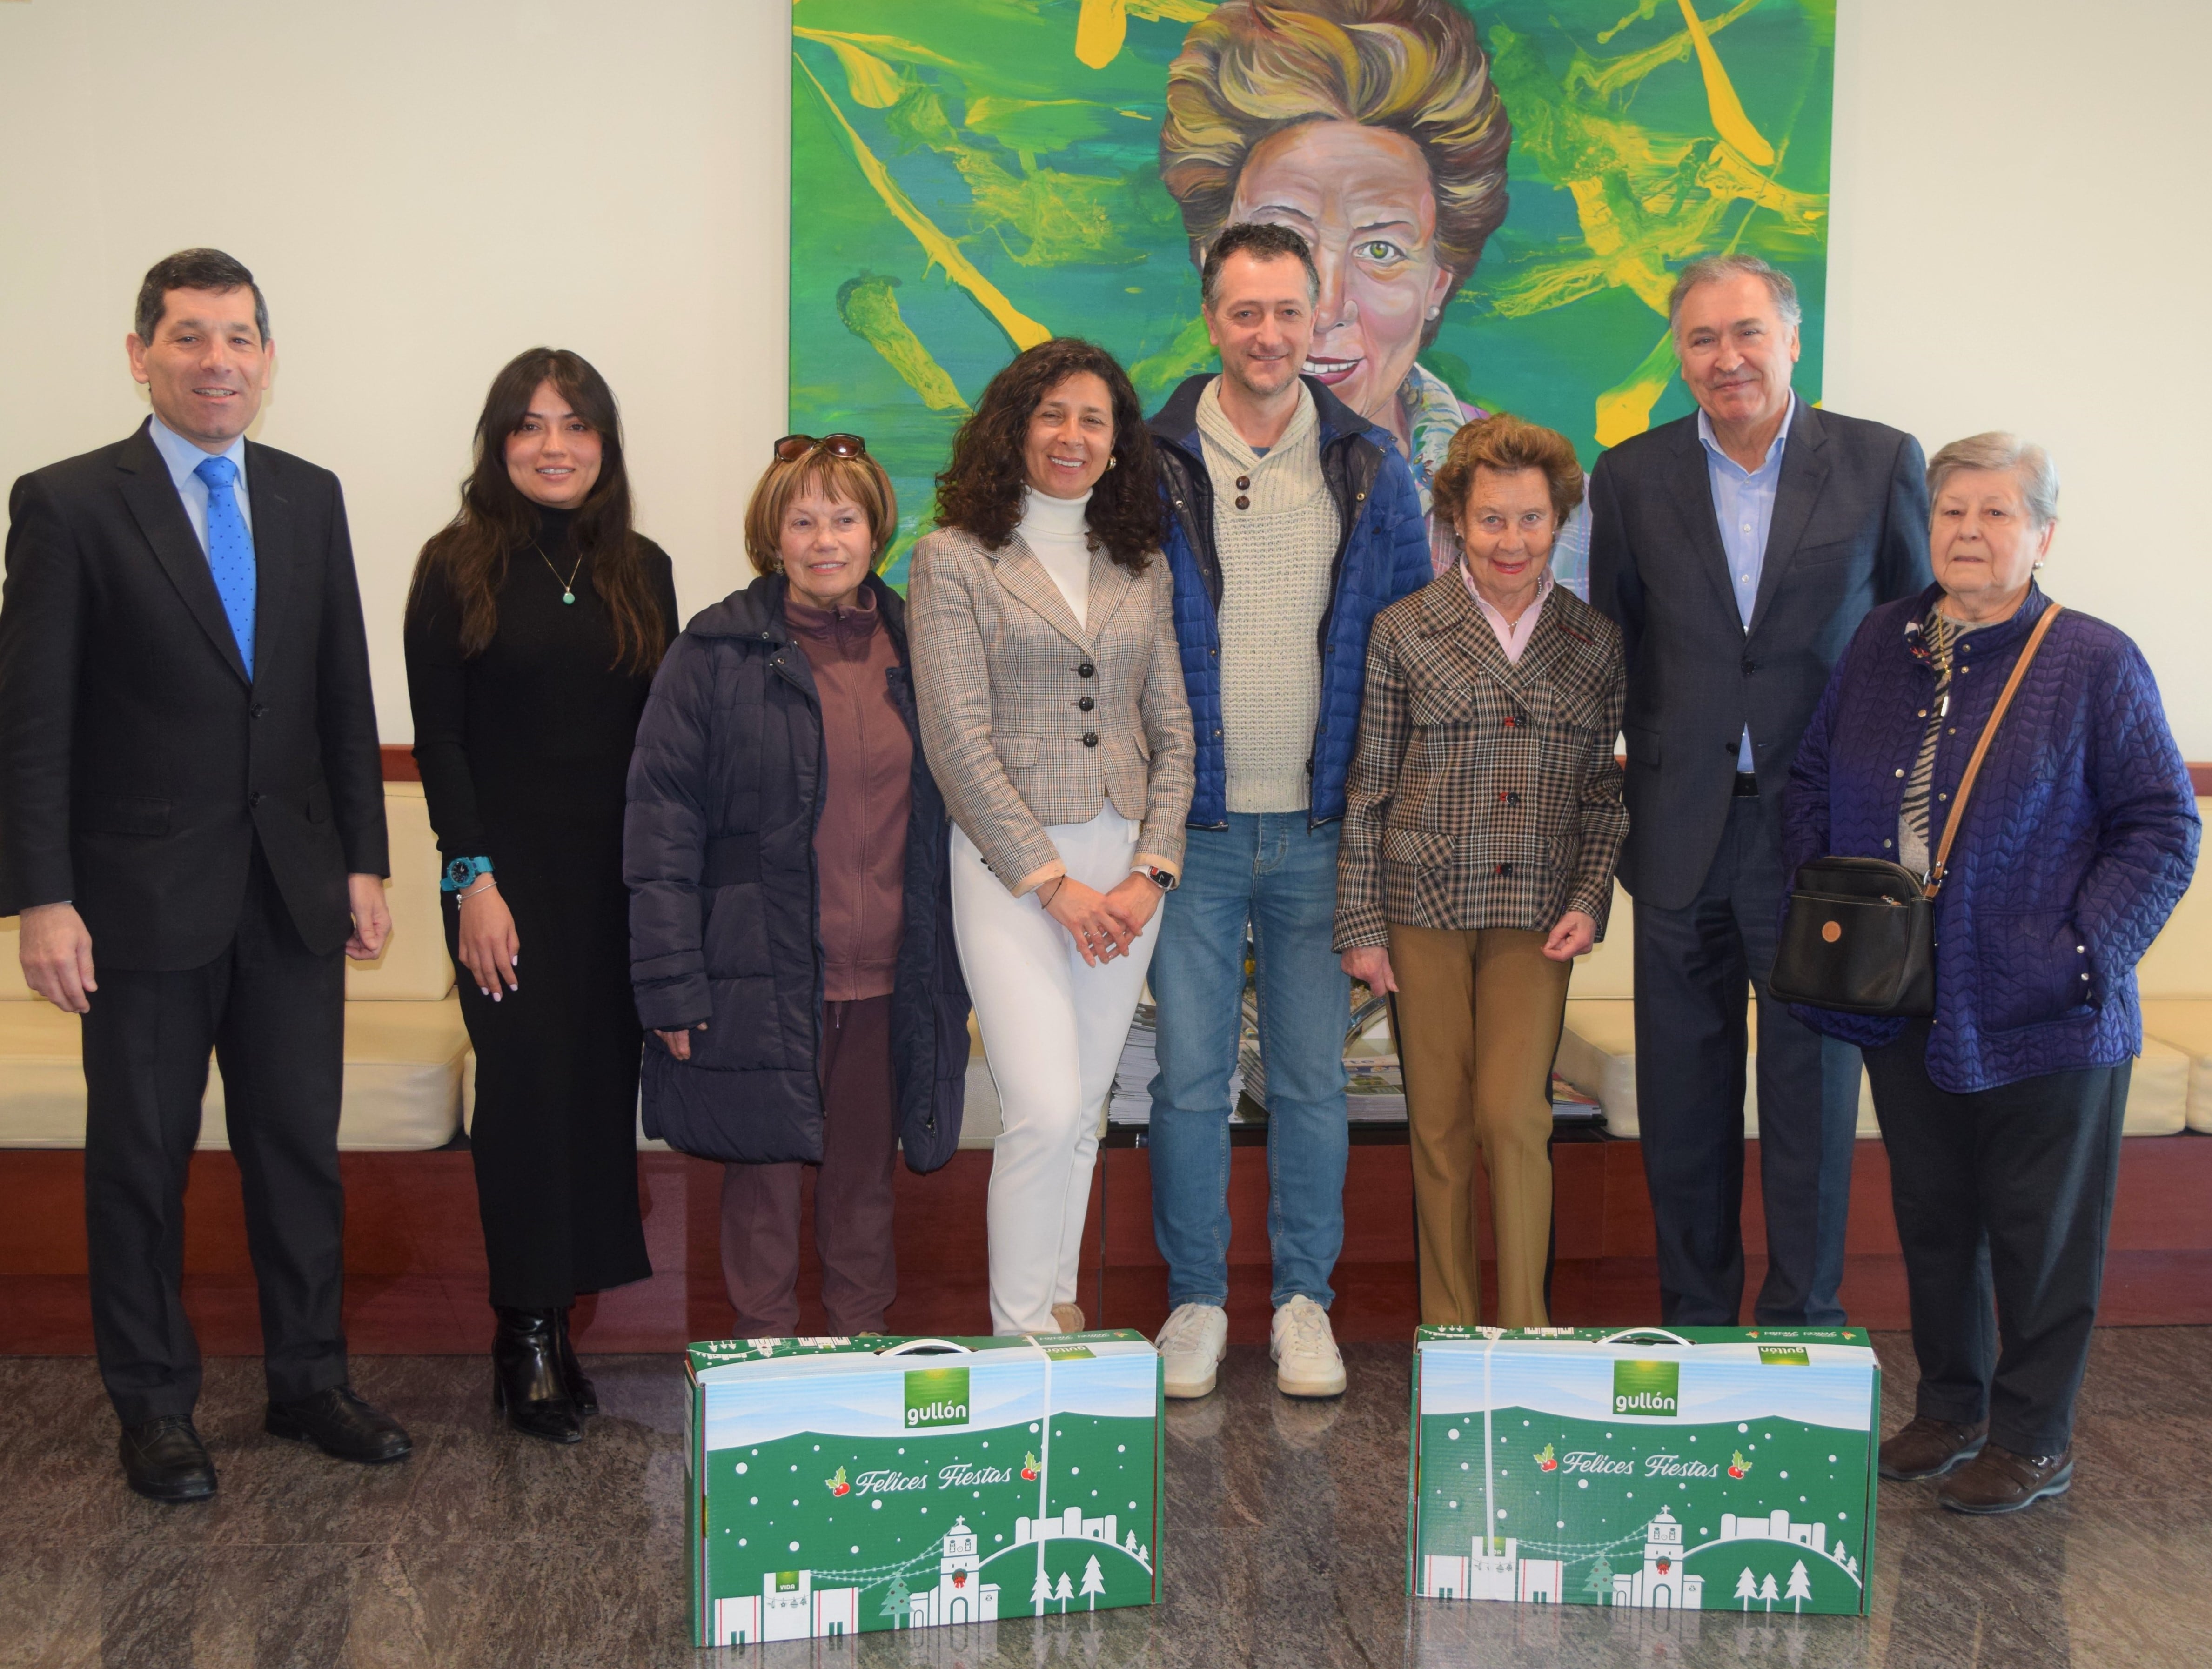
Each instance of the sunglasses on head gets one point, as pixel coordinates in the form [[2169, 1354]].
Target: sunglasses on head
[[792, 447]]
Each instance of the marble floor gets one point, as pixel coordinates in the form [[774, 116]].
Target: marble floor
[[1285, 1542]]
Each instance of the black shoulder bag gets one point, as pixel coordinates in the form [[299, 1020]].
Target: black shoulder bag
[[1860, 934]]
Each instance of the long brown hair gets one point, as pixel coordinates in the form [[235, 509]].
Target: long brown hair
[[980, 490], [495, 521]]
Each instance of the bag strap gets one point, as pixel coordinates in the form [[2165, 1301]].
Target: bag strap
[[1951, 824]]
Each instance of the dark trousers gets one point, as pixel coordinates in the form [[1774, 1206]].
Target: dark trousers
[[851, 1194], [1695, 968], [273, 1012], [2003, 1195]]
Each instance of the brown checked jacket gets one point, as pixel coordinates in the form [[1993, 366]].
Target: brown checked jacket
[[1028, 720], [1484, 793]]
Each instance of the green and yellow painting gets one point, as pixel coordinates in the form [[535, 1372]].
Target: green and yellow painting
[[1498, 194]]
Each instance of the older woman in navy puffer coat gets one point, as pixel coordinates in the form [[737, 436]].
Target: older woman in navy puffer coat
[[791, 898], [2002, 1113]]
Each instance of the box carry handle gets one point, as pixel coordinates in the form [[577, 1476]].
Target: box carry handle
[[927, 1347], [1655, 1335]]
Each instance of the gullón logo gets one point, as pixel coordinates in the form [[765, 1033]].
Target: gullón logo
[[936, 1397], [1647, 1389]]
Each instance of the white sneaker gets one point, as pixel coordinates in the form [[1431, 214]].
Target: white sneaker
[[1307, 1361], [1192, 1345]]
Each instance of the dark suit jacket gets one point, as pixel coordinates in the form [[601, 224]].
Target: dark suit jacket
[[137, 764], [1850, 531]]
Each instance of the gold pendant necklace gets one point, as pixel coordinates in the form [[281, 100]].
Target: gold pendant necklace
[[568, 585]]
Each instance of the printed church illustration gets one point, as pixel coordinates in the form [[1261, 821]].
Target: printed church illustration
[[1662, 1584]]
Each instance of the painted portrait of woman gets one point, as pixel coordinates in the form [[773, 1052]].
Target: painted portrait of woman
[[1373, 128]]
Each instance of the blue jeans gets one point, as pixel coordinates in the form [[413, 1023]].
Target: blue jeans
[[1271, 869]]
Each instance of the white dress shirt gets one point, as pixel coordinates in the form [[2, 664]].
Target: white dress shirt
[[183, 458]]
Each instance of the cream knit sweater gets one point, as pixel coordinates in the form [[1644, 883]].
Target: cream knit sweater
[[1275, 530]]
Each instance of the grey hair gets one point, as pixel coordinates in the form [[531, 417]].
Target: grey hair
[[2028, 463], [1711, 269]]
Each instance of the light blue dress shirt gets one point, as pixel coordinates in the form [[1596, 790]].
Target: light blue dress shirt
[[1743, 504], [183, 458]]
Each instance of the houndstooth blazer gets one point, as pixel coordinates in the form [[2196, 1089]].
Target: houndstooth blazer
[[1483, 794], [1028, 720]]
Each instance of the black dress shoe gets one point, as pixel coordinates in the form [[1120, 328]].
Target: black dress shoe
[[164, 1459], [342, 1426], [581, 1391], [527, 1381]]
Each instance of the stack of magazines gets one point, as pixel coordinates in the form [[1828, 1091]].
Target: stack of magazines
[[1132, 1100]]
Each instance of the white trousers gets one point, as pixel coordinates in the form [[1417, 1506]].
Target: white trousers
[[1053, 1030]]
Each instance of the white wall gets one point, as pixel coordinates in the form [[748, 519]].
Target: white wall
[[2022, 239], [423, 189]]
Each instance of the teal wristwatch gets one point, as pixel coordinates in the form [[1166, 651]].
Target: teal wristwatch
[[462, 872]]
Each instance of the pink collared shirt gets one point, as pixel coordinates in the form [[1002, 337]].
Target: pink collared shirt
[[1511, 638]]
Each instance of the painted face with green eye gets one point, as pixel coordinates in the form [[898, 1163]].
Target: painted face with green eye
[[1363, 199]]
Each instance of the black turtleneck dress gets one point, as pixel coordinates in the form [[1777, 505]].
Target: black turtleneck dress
[[524, 752]]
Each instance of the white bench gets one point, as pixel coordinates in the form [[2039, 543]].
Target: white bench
[[406, 1051], [2171, 1089]]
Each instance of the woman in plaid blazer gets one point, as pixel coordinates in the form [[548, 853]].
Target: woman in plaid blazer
[[1482, 824], [1053, 716]]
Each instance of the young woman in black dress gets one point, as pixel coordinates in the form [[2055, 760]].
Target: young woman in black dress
[[533, 628]]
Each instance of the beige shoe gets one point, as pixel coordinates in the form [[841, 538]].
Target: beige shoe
[[1192, 1345], [1307, 1362], [1069, 1318]]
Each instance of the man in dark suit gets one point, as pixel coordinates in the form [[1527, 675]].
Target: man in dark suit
[[1738, 548], [191, 827]]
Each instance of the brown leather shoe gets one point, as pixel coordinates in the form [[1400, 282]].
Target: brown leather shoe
[[1929, 1449], [1999, 1481]]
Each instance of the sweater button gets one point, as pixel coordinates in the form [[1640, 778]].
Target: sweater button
[[1242, 483], [1086, 704], [1086, 670], [1900, 770], [1243, 503], [1513, 797], [1506, 869], [1090, 738]]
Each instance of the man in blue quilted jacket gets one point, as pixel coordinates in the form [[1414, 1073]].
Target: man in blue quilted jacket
[[1291, 522]]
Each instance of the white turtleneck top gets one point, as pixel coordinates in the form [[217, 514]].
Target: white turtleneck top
[[1057, 535]]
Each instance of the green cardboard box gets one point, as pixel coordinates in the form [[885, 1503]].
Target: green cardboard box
[[844, 1485], [1700, 1468]]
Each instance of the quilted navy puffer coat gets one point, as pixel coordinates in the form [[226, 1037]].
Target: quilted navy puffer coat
[[2081, 834], [726, 912], [1381, 555]]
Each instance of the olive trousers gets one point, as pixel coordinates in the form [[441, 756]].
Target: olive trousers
[[1478, 1013]]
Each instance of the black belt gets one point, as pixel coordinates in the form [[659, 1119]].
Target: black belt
[[1746, 784]]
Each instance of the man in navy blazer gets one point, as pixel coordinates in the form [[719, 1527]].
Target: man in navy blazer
[[1739, 548], [191, 827]]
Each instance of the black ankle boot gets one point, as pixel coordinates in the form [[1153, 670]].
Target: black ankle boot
[[525, 1375], [581, 1392]]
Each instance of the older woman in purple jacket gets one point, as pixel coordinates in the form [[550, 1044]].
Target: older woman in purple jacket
[[2001, 1112]]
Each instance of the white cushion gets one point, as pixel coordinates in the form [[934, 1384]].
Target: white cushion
[[2180, 961], [403, 1078], [41, 1077], [1597, 1056], [1608, 968], [415, 967], [12, 987], [2186, 1026], [2157, 1092]]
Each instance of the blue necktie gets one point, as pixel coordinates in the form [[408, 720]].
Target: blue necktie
[[230, 553]]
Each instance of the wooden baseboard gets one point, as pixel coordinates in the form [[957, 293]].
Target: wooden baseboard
[[415, 1282]]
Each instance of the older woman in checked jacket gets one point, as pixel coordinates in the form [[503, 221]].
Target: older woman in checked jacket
[[1482, 824]]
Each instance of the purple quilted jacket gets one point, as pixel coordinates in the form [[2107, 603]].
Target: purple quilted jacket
[[2079, 838]]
